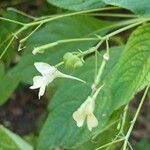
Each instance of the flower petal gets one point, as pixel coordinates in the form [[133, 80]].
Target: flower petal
[[41, 91], [91, 121], [44, 68], [37, 82], [90, 105], [79, 117]]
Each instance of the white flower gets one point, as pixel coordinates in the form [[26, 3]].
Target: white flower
[[86, 111], [49, 73]]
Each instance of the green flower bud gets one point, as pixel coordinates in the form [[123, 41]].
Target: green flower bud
[[72, 61], [78, 64]]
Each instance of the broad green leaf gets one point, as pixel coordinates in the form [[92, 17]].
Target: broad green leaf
[[73, 27], [133, 69], [11, 141], [122, 81], [140, 7], [77, 4]]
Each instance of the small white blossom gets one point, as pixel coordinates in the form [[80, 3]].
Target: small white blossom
[[48, 74], [86, 110]]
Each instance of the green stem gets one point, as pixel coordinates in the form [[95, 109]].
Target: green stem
[[96, 61], [100, 71], [24, 39], [5, 41], [71, 14], [11, 40], [124, 119], [116, 25], [122, 125], [125, 28], [134, 119], [59, 64], [130, 146], [113, 15], [77, 40], [117, 141], [47, 46], [13, 21], [21, 13]]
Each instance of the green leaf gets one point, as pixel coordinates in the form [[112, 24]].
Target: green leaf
[[124, 74], [133, 70], [73, 27], [2, 70], [77, 4], [139, 7], [11, 141]]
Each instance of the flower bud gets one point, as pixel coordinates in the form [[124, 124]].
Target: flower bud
[[72, 61], [106, 57]]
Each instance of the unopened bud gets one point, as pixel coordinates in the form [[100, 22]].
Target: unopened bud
[[36, 50], [72, 61], [106, 56]]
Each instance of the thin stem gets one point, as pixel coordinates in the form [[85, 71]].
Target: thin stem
[[47, 46], [130, 146], [59, 64], [10, 42], [124, 118], [125, 28], [5, 41], [100, 71], [13, 21], [77, 40], [117, 141], [107, 47], [93, 49], [98, 77], [113, 15], [21, 13], [24, 39], [134, 119], [71, 14], [96, 66], [117, 25]]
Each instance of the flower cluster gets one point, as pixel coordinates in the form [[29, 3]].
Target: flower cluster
[[49, 73]]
